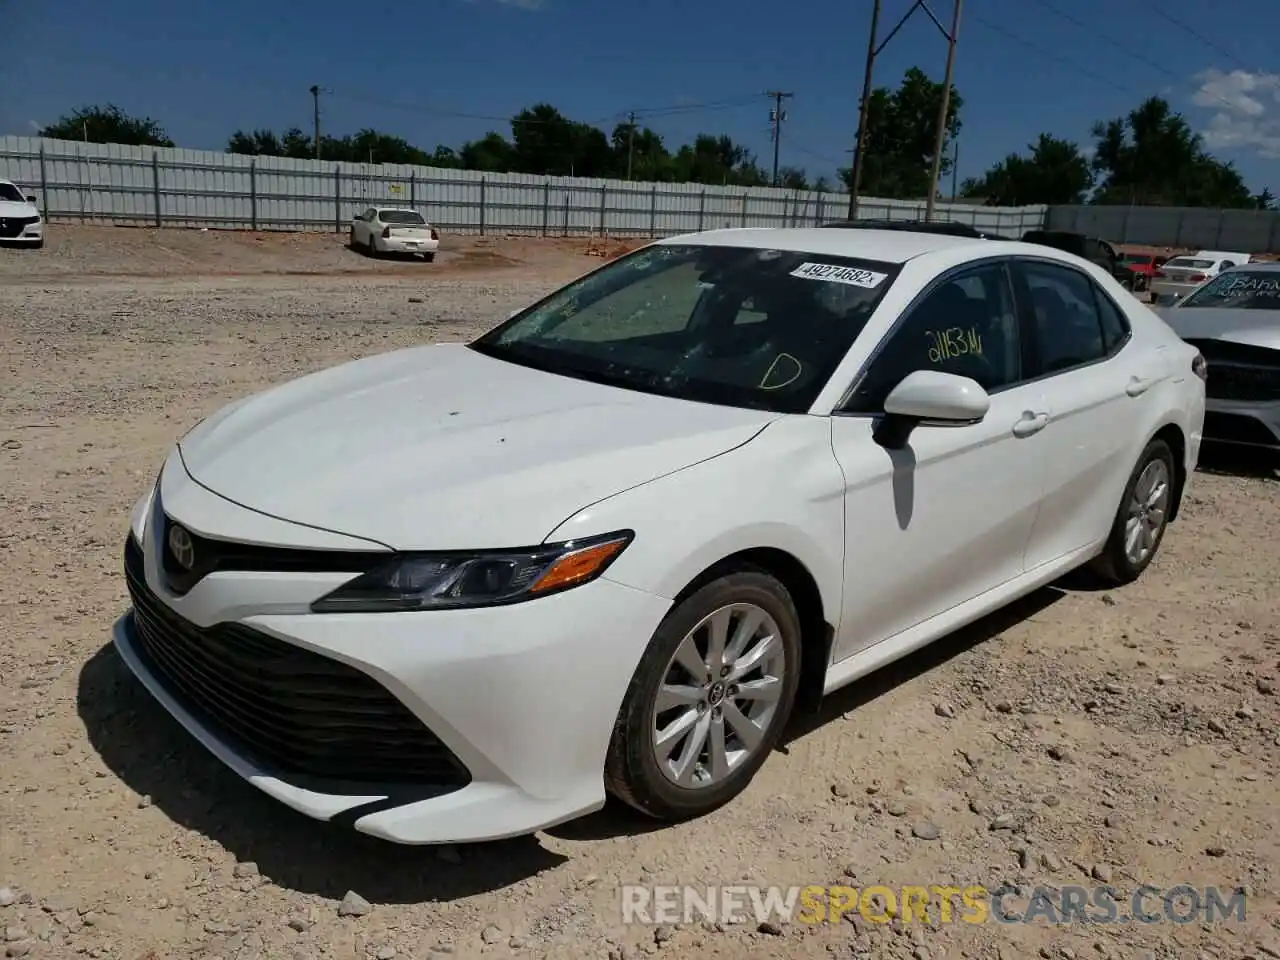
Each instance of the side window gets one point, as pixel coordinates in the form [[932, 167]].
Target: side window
[[1068, 328], [1115, 328], [966, 326]]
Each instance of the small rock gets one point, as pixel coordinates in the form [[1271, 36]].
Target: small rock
[[354, 905], [1217, 726], [944, 710], [840, 790], [415, 300], [14, 934], [1006, 821], [1245, 713], [1101, 872], [1114, 689], [59, 903], [220, 928], [769, 929], [925, 831], [1004, 706], [1050, 861], [245, 870], [1025, 858], [978, 806], [1166, 679], [1111, 820], [896, 808], [1059, 753], [1216, 851], [301, 923], [385, 953], [1265, 686], [7, 897], [492, 934], [144, 802], [17, 950]]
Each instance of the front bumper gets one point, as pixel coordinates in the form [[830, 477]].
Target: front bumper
[[523, 696]]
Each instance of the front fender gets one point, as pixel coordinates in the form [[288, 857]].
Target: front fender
[[782, 490]]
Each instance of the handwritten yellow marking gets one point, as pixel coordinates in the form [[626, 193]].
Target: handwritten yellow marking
[[949, 344], [764, 381]]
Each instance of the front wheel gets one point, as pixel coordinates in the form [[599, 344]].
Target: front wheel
[[709, 700], [429, 257], [1142, 518]]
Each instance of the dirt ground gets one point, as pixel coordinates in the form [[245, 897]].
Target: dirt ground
[[1129, 737]]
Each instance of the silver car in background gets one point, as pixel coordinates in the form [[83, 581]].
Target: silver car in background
[[1179, 277], [1234, 321]]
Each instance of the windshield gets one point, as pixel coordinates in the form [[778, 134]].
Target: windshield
[[732, 325], [401, 216], [1240, 289], [9, 192], [1190, 263]]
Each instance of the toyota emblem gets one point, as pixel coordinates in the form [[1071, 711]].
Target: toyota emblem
[[182, 547]]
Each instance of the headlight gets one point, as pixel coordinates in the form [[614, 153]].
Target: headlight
[[431, 581]]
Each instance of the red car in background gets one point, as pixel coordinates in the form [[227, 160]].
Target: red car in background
[[1143, 266]]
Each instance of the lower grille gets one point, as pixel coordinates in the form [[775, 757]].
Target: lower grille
[[11, 227], [295, 712]]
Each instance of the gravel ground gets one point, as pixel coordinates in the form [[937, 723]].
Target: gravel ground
[[1132, 736]]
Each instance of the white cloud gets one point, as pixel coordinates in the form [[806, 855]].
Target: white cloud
[[1246, 110]]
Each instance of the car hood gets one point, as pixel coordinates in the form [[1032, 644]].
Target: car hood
[[12, 208], [441, 447], [1256, 328]]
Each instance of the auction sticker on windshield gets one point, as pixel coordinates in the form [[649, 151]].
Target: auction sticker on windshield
[[836, 274]]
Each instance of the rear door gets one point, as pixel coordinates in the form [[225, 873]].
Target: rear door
[[1095, 391]]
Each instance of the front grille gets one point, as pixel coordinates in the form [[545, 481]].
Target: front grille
[[295, 712], [1235, 428], [1240, 371], [213, 555], [11, 227]]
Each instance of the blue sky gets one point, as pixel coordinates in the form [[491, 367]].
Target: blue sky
[[433, 70]]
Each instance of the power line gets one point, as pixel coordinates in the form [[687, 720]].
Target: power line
[[1191, 31], [1128, 51], [1083, 71]]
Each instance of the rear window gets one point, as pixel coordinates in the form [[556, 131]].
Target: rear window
[[1138, 258], [1239, 289], [407, 217], [1189, 263]]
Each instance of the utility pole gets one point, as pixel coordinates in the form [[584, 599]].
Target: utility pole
[[631, 140], [855, 178], [315, 99], [941, 134], [776, 116]]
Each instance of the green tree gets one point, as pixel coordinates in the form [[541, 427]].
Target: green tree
[[259, 143], [108, 124], [1055, 171], [491, 153], [901, 127], [1152, 157], [1266, 200], [793, 178], [650, 160], [717, 160]]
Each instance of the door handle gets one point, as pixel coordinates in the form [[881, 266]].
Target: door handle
[[1138, 386], [1030, 423]]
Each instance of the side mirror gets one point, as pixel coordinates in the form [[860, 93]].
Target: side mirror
[[357, 217], [930, 396], [31, 198]]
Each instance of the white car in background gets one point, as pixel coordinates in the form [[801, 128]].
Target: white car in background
[[459, 592], [394, 230], [1176, 278], [20, 220]]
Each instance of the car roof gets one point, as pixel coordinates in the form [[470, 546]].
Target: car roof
[[887, 246], [1266, 266]]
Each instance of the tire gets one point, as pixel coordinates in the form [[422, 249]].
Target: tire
[[1117, 565], [429, 257], [634, 772], [371, 248], [38, 245], [351, 239]]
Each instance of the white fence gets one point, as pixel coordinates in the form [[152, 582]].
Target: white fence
[[162, 187]]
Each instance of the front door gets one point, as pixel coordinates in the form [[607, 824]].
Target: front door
[[947, 517]]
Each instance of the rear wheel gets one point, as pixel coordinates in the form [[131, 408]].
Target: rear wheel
[[429, 257], [709, 700], [1142, 518]]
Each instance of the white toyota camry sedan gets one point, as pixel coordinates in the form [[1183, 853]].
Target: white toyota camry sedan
[[464, 591]]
